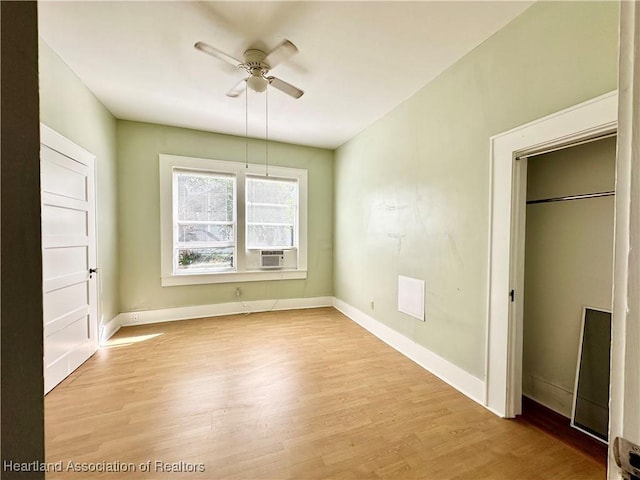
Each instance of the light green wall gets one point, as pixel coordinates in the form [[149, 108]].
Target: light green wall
[[69, 107], [139, 145], [568, 264], [412, 190]]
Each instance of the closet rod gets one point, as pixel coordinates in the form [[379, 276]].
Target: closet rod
[[572, 197]]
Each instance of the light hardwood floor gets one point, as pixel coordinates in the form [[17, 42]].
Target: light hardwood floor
[[298, 394]]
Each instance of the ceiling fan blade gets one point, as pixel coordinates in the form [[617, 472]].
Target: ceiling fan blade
[[285, 87], [280, 53], [238, 88], [214, 52]]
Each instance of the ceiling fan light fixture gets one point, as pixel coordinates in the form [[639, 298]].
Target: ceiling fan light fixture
[[257, 83]]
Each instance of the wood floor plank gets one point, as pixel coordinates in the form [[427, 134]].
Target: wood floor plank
[[283, 395]]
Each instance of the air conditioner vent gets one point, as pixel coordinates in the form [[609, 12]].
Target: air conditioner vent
[[271, 258]]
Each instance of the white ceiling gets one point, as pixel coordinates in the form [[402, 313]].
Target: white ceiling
[[356, 60]]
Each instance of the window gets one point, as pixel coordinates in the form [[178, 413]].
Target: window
[[204, 217], [217, 217], [272, 211]]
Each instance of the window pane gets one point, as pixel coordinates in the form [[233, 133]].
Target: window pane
[[270, 236], [262, 190], [193, 232], [204, 197], [205, 258], [271, 212]]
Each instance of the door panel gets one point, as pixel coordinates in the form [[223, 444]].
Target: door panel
[[61, 220], [64, 300], [63, 181], [69, 251], [65, 261], [66, 340]]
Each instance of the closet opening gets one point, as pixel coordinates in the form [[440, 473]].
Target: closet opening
[[567, 293]]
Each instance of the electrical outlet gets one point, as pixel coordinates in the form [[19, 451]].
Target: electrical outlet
[[238, 292], [372, 304], [134, 317]]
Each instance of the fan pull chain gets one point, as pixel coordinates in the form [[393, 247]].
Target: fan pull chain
[[266, 131], [246, 125]]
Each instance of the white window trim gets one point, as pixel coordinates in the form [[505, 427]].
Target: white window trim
[[167, 163]]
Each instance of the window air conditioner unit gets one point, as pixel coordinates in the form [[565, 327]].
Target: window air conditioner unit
[[271, 258]]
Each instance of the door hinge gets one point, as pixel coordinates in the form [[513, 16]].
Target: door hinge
[[512, 295]]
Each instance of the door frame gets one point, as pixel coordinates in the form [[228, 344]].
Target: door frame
[[590, 119], [624, 415], [67, 147]]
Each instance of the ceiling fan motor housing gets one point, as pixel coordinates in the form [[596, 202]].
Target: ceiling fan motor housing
[[254, 62]]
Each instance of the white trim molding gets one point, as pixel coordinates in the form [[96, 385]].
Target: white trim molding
[[109, 329], [547, 393], [218, 309], [624, 413], [506, 235], [227, 277], [453, 375]]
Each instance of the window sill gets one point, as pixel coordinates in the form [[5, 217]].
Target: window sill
[[233, 277]]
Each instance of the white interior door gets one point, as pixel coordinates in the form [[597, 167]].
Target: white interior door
[[68, 255]]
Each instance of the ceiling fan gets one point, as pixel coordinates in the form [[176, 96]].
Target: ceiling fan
[[257, 64]]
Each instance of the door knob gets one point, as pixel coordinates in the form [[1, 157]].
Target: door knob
[[92, 271]]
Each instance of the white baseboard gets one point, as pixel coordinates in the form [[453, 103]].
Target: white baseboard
[[215, 310], [552, 396], [455, 376], [109, 329]]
